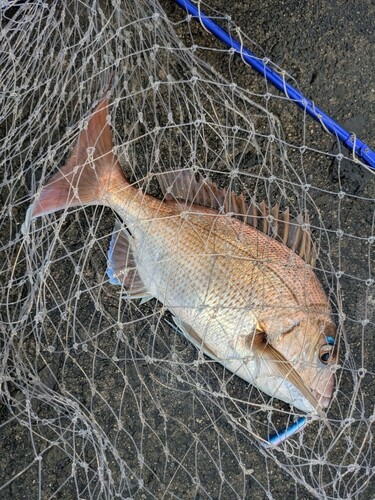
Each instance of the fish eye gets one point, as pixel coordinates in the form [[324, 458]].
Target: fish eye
[[326, 351]]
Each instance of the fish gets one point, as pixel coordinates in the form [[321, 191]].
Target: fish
[[237, 277]]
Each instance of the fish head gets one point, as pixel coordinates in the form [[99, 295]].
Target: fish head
[[308, 345]]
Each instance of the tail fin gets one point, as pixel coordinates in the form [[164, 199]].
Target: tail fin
[[90, 172]]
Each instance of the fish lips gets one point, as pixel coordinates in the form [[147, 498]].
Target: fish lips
[[323, 393]]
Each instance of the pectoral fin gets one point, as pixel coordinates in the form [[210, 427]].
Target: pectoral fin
[[189, 333]]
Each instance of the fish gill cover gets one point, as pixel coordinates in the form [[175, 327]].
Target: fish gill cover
[[101, 396]]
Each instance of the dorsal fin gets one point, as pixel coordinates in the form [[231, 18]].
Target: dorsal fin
[[295, 233]]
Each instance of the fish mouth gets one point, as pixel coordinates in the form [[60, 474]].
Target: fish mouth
[[322, 399]]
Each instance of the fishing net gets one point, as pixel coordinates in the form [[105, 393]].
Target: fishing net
[[102, 397]]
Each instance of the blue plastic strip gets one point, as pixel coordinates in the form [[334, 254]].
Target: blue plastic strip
[[349, 140], [281, 436]]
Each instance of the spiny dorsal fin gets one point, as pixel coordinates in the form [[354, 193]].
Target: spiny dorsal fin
[[295, 233]]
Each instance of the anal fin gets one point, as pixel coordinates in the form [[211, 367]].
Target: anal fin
[[122, 268], [190, 334]]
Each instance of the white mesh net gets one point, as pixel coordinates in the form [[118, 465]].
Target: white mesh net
[[102, 397]]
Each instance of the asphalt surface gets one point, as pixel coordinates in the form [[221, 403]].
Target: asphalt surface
[[327, 47]]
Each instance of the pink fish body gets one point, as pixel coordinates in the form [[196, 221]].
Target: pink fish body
[[245, 298]]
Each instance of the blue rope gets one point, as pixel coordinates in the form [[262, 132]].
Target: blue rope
[[349, 139]]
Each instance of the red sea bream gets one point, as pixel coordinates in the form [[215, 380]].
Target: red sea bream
[[244, 297]]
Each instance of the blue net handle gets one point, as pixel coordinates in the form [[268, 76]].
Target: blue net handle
[[348, 139]]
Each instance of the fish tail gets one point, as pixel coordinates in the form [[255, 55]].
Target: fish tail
[[90, 174]]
